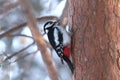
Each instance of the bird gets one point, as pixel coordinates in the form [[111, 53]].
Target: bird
[[58, 39]]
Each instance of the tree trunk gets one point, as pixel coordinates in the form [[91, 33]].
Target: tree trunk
[[96, 40]]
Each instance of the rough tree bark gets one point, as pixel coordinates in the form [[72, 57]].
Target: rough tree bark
[[96, 43]]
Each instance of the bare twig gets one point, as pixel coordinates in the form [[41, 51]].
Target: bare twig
[[12, 30], [44, 18], [65, 11], [64, 18], [23, 56], [63, 22], [19, 35], [40, 41], [8, 6], [16, 53]]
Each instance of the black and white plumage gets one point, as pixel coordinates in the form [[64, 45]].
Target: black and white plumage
[[58, 38]]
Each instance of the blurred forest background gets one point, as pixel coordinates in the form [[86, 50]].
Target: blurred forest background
[[17, 47]]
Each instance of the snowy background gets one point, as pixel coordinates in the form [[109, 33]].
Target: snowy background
[[20, 66]]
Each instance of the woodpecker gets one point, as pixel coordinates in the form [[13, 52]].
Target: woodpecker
[[58, 39]]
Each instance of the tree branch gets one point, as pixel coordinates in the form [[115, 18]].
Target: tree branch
[[39, 39], [44, 18], [16, 53]]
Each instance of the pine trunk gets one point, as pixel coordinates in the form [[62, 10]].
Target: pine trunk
[[96, 40]]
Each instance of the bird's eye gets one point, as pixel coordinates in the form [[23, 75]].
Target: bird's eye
[[51, 23], [48, 25]]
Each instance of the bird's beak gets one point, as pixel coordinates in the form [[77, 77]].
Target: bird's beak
[[57, 22]]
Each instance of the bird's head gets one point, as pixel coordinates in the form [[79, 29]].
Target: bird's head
[[48, 25]]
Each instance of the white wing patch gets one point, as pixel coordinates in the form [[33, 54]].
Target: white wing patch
[[56, 37], [66, 36]]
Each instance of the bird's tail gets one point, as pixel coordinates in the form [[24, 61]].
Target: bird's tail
[[67, 60]]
